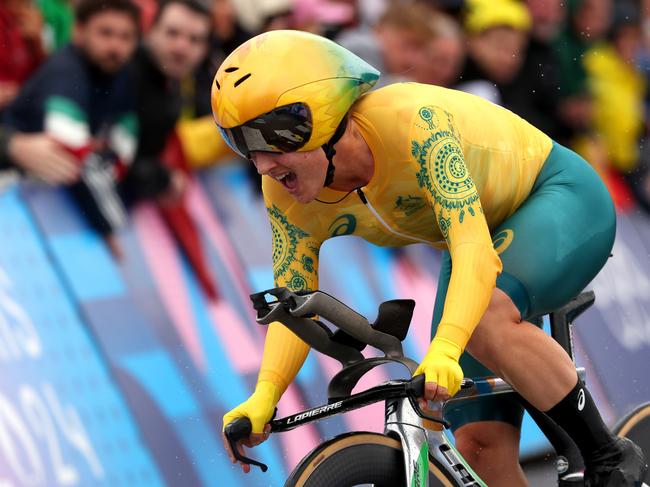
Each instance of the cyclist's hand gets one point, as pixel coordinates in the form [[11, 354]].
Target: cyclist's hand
[[443, 374], [259, 408]]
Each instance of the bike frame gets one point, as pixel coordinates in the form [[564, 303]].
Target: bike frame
[[404, 423], [403, 418]]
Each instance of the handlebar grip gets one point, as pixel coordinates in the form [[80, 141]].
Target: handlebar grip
[[415, 389], [415, 386], [240, 429]]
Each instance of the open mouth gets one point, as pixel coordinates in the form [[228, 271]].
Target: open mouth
[[288, 180]]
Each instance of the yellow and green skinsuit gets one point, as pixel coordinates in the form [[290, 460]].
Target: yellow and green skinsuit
[[449, 168]]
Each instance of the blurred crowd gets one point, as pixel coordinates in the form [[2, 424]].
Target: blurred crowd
[[111, 98]]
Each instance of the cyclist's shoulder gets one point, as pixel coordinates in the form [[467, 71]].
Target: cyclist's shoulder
[[391, 117], [404, 95], [417, 111]]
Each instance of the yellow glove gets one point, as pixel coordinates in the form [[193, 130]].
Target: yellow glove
[[440, 365], [259, 408]]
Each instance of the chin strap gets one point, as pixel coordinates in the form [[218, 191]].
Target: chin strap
[[328, 147]]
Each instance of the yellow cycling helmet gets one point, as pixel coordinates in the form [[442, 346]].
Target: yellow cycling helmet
[[285, 91]]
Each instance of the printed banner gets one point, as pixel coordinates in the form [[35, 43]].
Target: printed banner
[[615, 335], [63, 422]]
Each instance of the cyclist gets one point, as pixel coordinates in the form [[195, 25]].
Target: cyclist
[[524, 223]]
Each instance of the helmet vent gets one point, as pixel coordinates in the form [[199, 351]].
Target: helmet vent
[[242, 79], [230, 70], [217, 83]]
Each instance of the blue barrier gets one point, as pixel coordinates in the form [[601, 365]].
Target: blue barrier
[[62, 419]]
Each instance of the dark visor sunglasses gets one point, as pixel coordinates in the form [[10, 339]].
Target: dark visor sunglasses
[[284, 129]]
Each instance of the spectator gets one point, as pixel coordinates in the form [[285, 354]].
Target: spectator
[[21, 50], [148, 9], [548, 17], [510, 47], [58, 16], [397, 44], [255, 15], [227, 30], [227, 33], [37, 155], [445, 53], [82, 98], [366, 12], [588, 21], [450, 7], [275, 14], [513, 53], [322, 17], [497, 38], [618, 89], [541, 70], [174, 47]]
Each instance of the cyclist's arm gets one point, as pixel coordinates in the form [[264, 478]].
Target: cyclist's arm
[[451, 192], [295, 266], [200, 146]]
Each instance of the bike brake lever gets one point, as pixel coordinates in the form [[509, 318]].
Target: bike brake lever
[[240, 429], [415, 389], [416, 405]]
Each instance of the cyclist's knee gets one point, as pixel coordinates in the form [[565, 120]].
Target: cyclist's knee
[[486, 444], [501, 310]]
